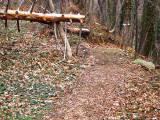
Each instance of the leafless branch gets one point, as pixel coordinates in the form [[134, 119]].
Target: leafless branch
[[40, 6], [8, 2], [46, 7], [33, 3], [20, 4]]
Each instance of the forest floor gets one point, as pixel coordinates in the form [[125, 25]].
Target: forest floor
[[100, 83], [110, 88]]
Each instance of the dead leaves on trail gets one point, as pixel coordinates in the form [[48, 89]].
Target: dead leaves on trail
[[142, 94], [142, 100]]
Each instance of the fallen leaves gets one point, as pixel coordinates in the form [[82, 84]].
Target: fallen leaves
[[33, 76]]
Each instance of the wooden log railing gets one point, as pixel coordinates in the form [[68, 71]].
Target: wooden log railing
[[47, 18], [40, 17]]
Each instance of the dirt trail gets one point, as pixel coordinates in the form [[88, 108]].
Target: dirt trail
[[100, 93]]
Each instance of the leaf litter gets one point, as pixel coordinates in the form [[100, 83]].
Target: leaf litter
[[33, 73], [35, 79], [112, 88]]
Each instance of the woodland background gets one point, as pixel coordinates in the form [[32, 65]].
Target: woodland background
[[135, 22]]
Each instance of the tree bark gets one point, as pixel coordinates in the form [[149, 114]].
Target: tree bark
[[90, 10], [107, 8], [143, 33], [117, 22], [157, 48], [126, 24], [132, 28], [114, 11], [148, 30], [102, 7], [136, 17]]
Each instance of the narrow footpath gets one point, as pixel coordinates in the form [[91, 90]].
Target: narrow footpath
[[101, 92]]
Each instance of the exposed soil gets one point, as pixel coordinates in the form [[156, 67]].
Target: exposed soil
[[101, 91]]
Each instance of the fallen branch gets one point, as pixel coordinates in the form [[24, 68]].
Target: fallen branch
[[40, 17]]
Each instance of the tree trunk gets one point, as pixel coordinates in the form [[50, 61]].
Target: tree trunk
[[136, 17], [117, 22], [102, 7], [90, 10], [132, 28], [148, 31], [157, 48], [126, 24], [143, 29], [55, 6], [107, 5], [114, 11], [143, 47]]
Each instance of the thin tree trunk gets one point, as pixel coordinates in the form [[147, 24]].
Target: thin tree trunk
[[136, 15], [157, 49], [90, 12], [107, 13], [114, 11]]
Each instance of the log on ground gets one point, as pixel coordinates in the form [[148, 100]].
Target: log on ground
[[76, 30]]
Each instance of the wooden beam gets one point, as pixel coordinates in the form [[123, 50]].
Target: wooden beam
[[40, 17]]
